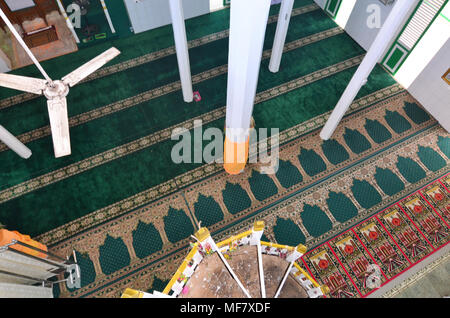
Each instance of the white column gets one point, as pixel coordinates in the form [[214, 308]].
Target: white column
[[179, 31], [379, 46], [68, 22], [14, 144], [248, 21], [280, 35], [108, 17]]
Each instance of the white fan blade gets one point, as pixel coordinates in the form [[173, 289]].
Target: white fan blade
[[14, 144], [59, 124], [23, 83], [90, 67]]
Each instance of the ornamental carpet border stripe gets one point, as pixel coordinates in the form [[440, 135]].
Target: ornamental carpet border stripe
[[163, 268], [307, 194], [164, 189], [161, 91], [153, 56], [149, 140]]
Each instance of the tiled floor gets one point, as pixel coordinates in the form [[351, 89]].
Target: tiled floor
[[435, 284]]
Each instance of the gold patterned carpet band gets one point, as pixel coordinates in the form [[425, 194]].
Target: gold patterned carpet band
[[170, 186]]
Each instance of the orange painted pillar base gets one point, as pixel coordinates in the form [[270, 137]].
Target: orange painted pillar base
[[235, 156], [6, 237]]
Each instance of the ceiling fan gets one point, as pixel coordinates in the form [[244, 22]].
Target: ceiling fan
[[54, 91]]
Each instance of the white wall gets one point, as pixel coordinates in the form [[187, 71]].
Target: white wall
[[15, 5], [356, 25], [321, 3], [352, 16], [431, 90], [422, 72], [215, 5], [150, 14]]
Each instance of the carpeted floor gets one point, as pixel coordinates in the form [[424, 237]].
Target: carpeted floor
[[128, 210], [396, 239]]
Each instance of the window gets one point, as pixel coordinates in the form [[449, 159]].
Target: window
[[420, 21], [332, 7], [16, 5], [415, 28]]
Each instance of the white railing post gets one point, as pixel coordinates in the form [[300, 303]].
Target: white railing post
[[204, 237], [292, 257], [258, 230], [108, 17], [280, 35]]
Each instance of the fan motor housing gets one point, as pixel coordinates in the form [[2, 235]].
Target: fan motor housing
[[57, 90]]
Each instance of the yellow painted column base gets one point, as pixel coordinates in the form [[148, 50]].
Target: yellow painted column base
[[235, 156]]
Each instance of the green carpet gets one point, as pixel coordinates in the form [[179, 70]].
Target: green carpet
[[143, 119], [127, 210]]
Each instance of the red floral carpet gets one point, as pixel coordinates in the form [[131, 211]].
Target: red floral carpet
[[395, 239]]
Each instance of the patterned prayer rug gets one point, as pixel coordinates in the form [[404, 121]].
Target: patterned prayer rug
[[394, 239]]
